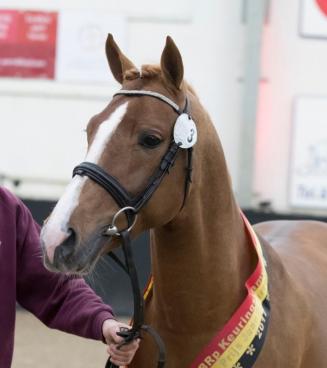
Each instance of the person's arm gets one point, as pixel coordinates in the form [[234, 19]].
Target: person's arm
[[60, 302], [64, 303]]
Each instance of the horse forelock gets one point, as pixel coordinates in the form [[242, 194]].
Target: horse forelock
[[143, 71], [153, 72]]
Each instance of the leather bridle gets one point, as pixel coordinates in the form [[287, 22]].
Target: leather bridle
[[130, 206], [112, 185]]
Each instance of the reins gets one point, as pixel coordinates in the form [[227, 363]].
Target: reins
[[185, 136], [129, 267], [138, 316]]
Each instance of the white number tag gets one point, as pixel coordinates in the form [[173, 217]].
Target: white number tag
[[185, 132]]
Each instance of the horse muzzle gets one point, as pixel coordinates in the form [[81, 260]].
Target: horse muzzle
[[73, 256]]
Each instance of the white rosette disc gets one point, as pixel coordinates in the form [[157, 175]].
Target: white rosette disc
[[185, 132]]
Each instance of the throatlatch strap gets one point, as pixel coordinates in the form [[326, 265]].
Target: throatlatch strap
[[166, 163], [188, 176]]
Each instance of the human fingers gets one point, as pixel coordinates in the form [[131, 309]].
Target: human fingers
[[119, 357], [110, 328]]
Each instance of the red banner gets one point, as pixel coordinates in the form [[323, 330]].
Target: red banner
[[323, 6], [27, 43]]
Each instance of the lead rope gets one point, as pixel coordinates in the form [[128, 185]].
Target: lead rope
[[138, 317]]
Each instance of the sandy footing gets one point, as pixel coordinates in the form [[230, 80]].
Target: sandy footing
[[37, 346]]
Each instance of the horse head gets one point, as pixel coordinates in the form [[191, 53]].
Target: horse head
[[128, 139]]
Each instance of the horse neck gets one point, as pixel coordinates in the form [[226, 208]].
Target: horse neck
[[201, 259]]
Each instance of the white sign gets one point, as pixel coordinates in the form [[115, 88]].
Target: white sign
[[313, 21], [308, 180], [81, 41]]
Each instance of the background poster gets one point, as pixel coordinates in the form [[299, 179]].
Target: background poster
[[313, 22], [81, 44], [308, 175], [27, 43]]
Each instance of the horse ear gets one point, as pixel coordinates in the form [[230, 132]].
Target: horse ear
[[172, 64], [118, 62]]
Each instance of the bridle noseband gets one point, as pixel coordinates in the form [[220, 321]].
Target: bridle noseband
[[130, 206]]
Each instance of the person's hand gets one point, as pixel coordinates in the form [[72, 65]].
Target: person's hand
[[123, 355]]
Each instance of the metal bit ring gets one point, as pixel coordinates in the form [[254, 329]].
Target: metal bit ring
[[112, 229]]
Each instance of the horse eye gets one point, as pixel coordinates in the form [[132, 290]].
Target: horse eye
[[149, 141]]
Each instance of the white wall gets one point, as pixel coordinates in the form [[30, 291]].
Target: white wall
[[292, 66], [42, 122]]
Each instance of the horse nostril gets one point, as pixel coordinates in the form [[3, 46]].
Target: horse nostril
[[66, 249]]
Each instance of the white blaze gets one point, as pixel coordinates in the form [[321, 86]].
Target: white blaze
[[104, 133], [140, 71], [56, 229]]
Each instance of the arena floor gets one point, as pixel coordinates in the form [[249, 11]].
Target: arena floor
[[37, 346]]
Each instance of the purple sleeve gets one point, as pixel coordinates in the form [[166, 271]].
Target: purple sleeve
[[67, 304]]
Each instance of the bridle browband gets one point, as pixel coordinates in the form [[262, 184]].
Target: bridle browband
[[130, 206], [159, 96]]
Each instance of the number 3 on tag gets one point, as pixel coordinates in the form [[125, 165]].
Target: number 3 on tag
[[185, 132]]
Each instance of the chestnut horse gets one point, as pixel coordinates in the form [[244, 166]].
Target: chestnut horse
[[201, 251]]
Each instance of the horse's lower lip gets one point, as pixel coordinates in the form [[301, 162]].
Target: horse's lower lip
[[80, 270], [83, 260], [88, 257]]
